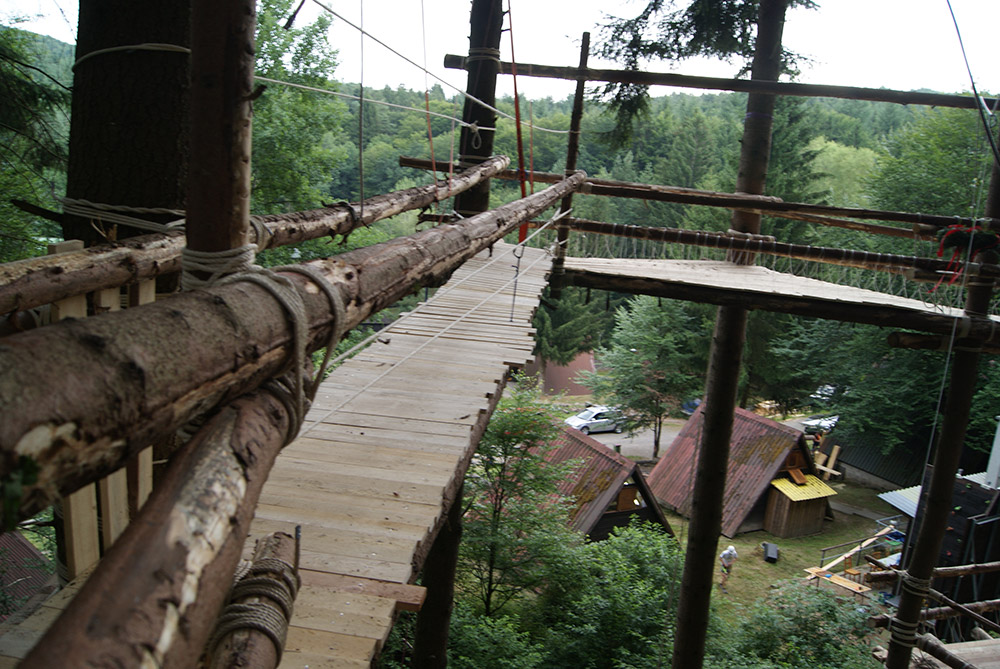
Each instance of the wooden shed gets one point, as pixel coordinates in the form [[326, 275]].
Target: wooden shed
[[796, 509], [763, 455], [608, 489]]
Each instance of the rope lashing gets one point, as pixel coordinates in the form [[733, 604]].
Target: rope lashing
[[146, 46], [483, 53], [270, 618], [903, 633], [121, 215]]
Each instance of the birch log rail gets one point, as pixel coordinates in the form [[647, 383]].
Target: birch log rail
[[25, 284], [67, 426]]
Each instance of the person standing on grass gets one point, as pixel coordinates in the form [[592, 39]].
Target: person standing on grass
[[728, 557]]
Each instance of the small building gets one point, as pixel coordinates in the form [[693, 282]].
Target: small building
[[607, 489], [771, 482]]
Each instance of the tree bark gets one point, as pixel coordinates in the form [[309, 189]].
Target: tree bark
[[222, 64], [139, 374], [36, 281], [768, 245], [456, 62], [766, 204], [724, 363], [116, 156], [160, 609], [486, 23]]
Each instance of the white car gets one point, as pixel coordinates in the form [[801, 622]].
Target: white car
[[819, 424], [596, 419]]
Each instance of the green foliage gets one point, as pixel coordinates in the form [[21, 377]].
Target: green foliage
[[651, 365], [842, 172], [33, 139], [935, 165], [294, 146], [616, 608], [481, 642], [803, 626], [515, 527], [573, 327]]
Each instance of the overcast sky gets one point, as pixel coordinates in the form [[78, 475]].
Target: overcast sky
[[900, 44]]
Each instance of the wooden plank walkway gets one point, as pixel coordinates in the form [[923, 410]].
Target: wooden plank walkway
[[380, 456], [384, 450]]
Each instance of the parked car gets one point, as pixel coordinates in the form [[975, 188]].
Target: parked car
[[597, 419], [822, 424]]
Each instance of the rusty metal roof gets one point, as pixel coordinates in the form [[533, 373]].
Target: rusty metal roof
[[23, 569], [757, 452], [596, 481]]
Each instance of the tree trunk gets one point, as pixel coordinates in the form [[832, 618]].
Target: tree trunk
[[139, 374], [35, 281], [724, 365], [116, 155], [486, 22]]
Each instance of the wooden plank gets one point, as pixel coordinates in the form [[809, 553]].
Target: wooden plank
[[850, 553], [376, 525], [18, 641], [407, 597], [140, 468], [317, 649], [832, 462], [840, 581], [305, 480], [797, 476], [112, 491], [352, 613], [392, 508], [79, 510]]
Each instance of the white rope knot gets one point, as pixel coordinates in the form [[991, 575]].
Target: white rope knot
[[122, 215], [920, 587], [903, 633], [215, 264]]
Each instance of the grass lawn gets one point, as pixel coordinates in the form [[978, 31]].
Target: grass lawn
[[752, 578]]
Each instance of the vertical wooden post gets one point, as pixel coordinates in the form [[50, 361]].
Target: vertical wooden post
[[430, 649], [927, 549], [139, 470], [112, 491], [724, 366], [222, 63], [572, 153], [78, 539], [483, 64]]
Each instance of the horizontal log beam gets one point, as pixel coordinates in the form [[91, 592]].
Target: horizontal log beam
[[939, 572], [455, 62], [140, 374], [763, 204], [940, 612], [29, 283], [729, 242], [159, 608]]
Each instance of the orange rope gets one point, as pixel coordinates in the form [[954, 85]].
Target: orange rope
[[522, 232]]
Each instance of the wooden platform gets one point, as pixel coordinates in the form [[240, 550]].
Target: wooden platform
[[378, 460], [383, 450], [754, 287]]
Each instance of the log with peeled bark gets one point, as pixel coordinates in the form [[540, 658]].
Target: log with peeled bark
[[80, 397], [939, 612], [25, 284], [765, 204], [154, 597]]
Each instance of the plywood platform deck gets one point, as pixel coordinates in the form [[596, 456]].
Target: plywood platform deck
[[380, 455], [721, 282], [384, 446]]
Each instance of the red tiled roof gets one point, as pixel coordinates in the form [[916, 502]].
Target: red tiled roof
[[757, 451]]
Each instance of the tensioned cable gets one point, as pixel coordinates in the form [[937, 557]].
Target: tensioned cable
[[348, 96], [361, 115], [972, 80], [437, 335], [439, 79]]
